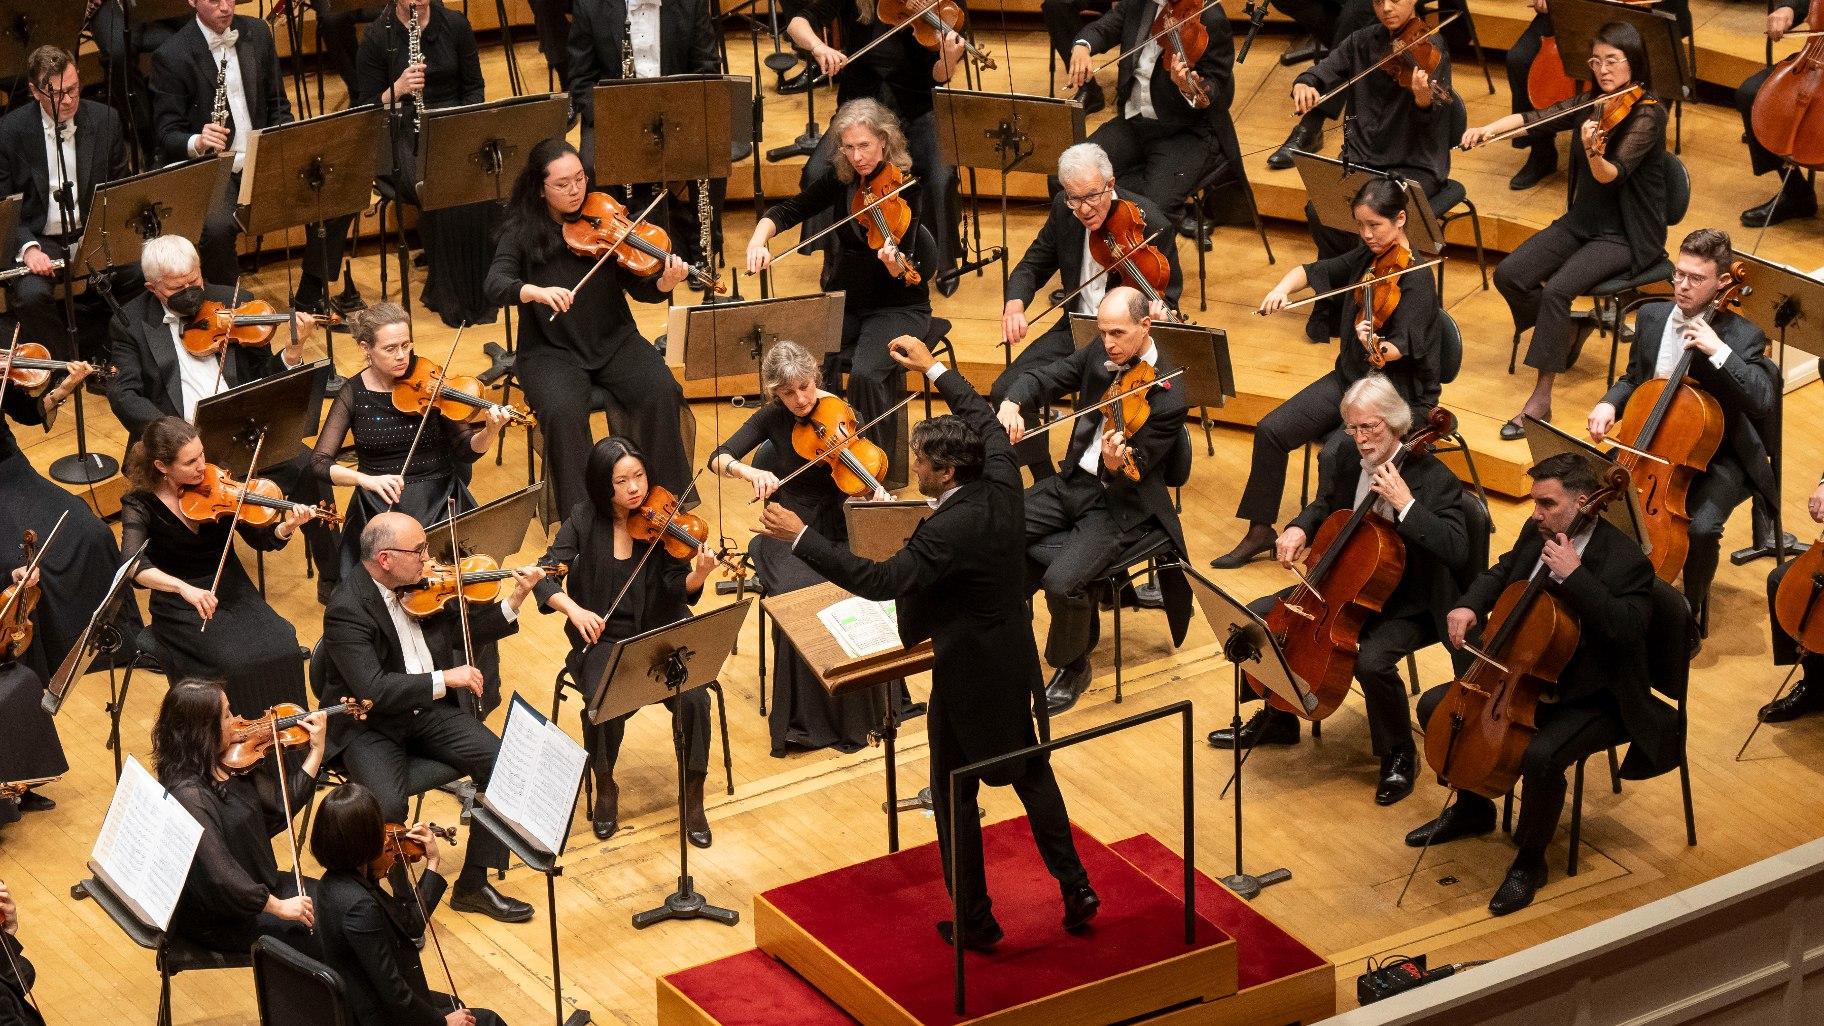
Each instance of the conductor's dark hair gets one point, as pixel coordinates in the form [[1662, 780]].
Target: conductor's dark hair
[[349, 832], [528, 225], [1626, 38], [1710, 244], [1569, 470], [598, 476], [187, 736], [948, 442], [1381, 195], [44, 67]]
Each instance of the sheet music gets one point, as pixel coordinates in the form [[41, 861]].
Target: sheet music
[[146, 845], [862, 627], [536, 777]]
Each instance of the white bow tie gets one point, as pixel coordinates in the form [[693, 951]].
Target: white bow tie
[[225, 41]]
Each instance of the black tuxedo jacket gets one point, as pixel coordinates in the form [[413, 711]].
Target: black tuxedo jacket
[[1058, 249], [183, 83], [146, 384], [687, 46], [367, 661], [957, 585], [369, 939], [101, 156], [1611, 595], [1747, 385], [1130, 21]]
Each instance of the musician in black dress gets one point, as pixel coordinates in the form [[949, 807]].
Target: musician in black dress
[[227, 632], [235, 891], [1403, 342], [596, 544], [384, 436], [593, 342], [803, 713], [15, 1007], [1806, 696], [1615, 224], [33, 750], [881, 304]]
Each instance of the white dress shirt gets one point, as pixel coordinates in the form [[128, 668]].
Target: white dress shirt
[[643, 25], [199, 377], [411, 638], [1090, 299], [222, 48], [53, 218], [1672, 345], [1140, 99], [1091, 460]]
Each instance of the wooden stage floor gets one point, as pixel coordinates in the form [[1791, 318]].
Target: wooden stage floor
[[1308, 809]]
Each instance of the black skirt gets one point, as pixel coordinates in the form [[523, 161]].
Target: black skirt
[[31, 749], [250, 648]]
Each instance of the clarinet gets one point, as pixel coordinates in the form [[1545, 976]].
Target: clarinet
[[414, 54], [627, 71], [219, 116]]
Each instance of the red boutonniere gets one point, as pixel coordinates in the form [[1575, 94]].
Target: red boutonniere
[[1163, 386]]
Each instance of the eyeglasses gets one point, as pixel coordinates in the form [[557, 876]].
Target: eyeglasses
[[1365, 429], [854, 148], [1681, 278], [1079, 202], [1605, 63], [399, 350], [422, 552], [579, 180]]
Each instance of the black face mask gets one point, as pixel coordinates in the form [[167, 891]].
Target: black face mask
[[187, 302]]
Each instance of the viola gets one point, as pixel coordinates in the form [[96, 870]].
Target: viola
[[931, 21], [400, 845], [481, 582], [1179, 26], [1120, 245], [259, 500], [1378, 300], [1352, 566], [1127, 406], [216, 324], [888, 221], [831, 435], [17, 603], [248, 741], [456, 396], [682, 535], [1788, 113], [1678, 427], [29, 366], [1796, 604], [1477, 736], [1414, 50], [601, 228]]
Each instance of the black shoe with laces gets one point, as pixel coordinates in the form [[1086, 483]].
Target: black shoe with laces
[[1397, 776], [1266, 727]]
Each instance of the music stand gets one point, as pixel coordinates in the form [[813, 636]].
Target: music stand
[[721, 341], [1545, 440], [127, 213], [30, 24], [665, 129], [647, 669], [497, 529], [286, 408], [101, 634], [1791, 303], [1332, 184], [476, 149], [1577, 21], [1202, 352], [1247, 642]]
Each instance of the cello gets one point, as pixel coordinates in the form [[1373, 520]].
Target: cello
[[1788, 113], [1668, 434], [1478, 734], [1354, 564]]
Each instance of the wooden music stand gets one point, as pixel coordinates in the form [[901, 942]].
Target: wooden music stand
[[467, 154], [30, 24], [1332, 184], [723, 343], [666, 129], [877, 530], [496, 529], [127, 213], [285, 408]]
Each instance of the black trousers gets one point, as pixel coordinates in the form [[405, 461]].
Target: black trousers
[[1054, 345], [1713, 496], [1566, 733], [603, 740], [37, 302], [1385, 644], [1167, 162], [551, 21], [875, 381], [1065, 19], [1344, 18], [1071, 538], [1543, 276], [221, 264], [338, 31], [1311, 415], [1785, 648], [1038, 792], [379, 756], [649, 408]]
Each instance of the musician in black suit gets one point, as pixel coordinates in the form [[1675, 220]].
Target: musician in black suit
[[93, 152], [1080, 519], [1087, 192], [1807, 696], [1422, 500], [16, 971], [426, 693], [952, 587], [1728, 363], [1602, 698], [371, 938]]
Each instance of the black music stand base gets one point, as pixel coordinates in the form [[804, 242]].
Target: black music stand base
[[81, 469], [544, 864], [685, 902], [1792, 545], [1238, 648]]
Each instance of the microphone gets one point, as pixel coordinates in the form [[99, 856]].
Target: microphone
[[1257, 19], [995, 256]]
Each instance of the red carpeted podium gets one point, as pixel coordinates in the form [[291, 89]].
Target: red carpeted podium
[[857, 946]]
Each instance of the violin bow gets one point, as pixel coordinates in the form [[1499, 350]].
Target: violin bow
[[1142, 44], [1399, 47], [291, 834], [424, 915], [658, 194], [888, 34], [240, 503], [1351, 287], [844, 444], [1064, 301], [443, 371], [37, 558], [1100, 403], [462, 603], [800, 244], [1510, 133]]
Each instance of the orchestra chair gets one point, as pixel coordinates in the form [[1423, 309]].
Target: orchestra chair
[[1452, 194], [1227, 174], [171, 954], [1154, 547], [565, 680], [294, 989]]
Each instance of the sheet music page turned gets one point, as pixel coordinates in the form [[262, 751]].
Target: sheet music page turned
[[862, 627], [536, 777], [145, 846]]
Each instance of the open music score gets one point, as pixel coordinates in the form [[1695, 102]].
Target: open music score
[[145, 846], [800, 615], [536, 777]]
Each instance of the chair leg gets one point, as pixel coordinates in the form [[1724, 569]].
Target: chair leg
[[1117, 589], [1576, 818], [763, 678], [1614, 772], [1412, 672], [1209, 437], [1317, 728], [1475, 228], [1513, 353], [1260, 227], [728, 761], [1203, 299], [385, 278]]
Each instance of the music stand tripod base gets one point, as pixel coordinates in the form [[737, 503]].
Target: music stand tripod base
[[1248, 885], [84, 469], [686, 904]]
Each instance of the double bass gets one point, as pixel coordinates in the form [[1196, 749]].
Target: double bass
[[1353, 564]]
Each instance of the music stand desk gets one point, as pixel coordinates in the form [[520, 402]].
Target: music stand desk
[[497, 529], [473, 148], [723, 343], [287, 407], [1331, 186]]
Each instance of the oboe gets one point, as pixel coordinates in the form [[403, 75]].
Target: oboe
[[219, 116], [414, 55]]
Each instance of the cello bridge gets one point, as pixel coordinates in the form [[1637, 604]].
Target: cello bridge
[[1297, 610]]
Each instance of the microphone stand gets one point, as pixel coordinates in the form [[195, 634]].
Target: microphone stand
[[81, 467]]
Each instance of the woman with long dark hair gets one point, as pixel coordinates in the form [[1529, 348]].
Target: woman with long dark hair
[[598, 547], [576, 337], [230, 633], [235, 891]]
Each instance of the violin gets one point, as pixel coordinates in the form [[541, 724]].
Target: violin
[[1180, 24], [931, 21], [1668, 434], [1352, 566], [216, 324], [1620, 104], [856, 466], [1796, 603], [1378, 300], [400, 845], [602, 229], [248, 741], [1415, 50], [481, 582], [682, 535], [457, 396], [888, 221], [1126, 407], [1477, 736], [259, 500], [29, 366], [17, 604], [1120, 245], [1788, 113]]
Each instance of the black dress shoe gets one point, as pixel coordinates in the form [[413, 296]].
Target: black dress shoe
[[483, 898], [981, 938], [1091, 95], [605, 818], [1267, 727], [1513, 430], [1396, 777], [1320, 325], [32, 801], [1256, 543], [1784, 206], [1516, 892], [1197, 233], [696, 822], [1455, 823], [1067, 685], [1540, 165], [1306, 135], [1080, 905], [1804, 699], [810, 78]]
